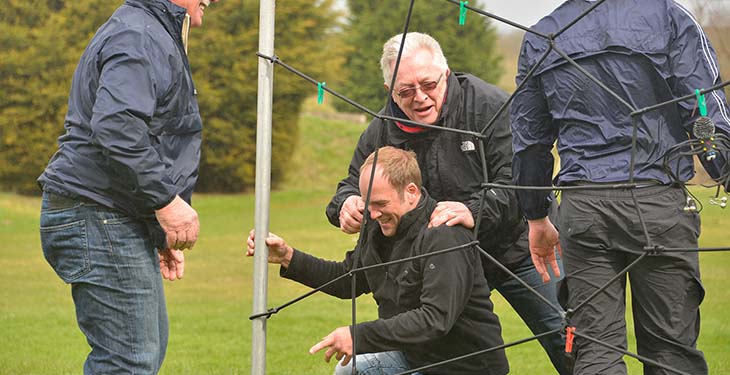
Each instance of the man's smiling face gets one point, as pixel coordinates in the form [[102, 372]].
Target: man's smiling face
[[196, 9], [415, 92]]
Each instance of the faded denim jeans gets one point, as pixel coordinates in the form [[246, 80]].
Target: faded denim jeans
[[537, 314], [112, 265], [383, 363]]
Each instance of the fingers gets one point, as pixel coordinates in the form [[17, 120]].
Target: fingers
[[182, 239], [554, 266], [338, 343], [172, 267], [539, 263], [171, 238], [178, 258], [443, 216], [350, 224], [328, 354], [345, 361], [327, 341], [251, 243], [351, 214], [164, 270], [172, 264]]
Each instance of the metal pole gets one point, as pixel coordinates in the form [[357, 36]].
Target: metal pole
[[263, 184]]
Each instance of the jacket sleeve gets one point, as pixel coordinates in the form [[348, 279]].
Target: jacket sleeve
[[497, 208], [447, 285], [350, 184], [532, 138], [315, 272], [124, 106], [694, 66]]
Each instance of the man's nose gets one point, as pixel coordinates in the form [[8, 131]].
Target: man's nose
[[374, 214], [420, 95]]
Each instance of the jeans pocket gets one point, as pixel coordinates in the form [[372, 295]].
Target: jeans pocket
[[66, 249]]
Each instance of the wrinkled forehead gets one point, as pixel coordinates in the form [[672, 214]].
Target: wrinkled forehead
[[417, 67]]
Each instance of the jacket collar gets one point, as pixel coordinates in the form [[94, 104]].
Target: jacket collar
[[170, 15]]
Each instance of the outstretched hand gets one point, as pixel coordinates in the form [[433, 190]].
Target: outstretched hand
[[544, 242], [338, 343]]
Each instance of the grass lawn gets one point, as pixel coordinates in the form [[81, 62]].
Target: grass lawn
[[209, 309]]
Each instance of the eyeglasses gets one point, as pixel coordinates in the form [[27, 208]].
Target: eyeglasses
[[410, 92]]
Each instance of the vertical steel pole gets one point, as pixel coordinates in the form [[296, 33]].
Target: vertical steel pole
[[263, 183]]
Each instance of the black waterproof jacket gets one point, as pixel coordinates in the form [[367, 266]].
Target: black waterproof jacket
[[451, 165], [432, 308], [133, 129]]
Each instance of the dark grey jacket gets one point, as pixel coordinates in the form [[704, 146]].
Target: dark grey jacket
[[451, 165], [433, 308], [133, 129]]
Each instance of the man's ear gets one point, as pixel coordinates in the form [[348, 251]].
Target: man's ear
[[413, 192], [386, 87]]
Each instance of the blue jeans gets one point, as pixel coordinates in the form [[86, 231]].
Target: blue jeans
[[112, 266], [383, 363], [538, 315]]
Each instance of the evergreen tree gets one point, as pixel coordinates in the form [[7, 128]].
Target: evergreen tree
[[43, 39], [42, 42], [225, 68], [468, 48]]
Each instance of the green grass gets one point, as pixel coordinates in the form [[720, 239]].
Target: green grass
[[209, 328]]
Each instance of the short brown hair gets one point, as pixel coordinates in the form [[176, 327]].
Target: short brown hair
[[399, 167]]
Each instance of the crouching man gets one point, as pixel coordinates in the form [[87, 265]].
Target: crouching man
[[430, 309]]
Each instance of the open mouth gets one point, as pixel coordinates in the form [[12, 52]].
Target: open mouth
[[204, 4], [424, 110]]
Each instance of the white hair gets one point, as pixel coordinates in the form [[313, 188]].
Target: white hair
[[414, 41]]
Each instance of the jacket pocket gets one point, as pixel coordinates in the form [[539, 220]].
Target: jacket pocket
[[410, 283], [576, 227], [66, 249]]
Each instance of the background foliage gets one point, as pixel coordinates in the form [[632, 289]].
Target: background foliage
[[226, 69], [42, 41], [469, 48]]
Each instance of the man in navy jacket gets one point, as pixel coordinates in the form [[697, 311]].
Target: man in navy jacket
[[646, 52], [117, 192]]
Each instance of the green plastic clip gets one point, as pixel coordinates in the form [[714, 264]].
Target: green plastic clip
[[462, 12], [701, 103], [320, 92]]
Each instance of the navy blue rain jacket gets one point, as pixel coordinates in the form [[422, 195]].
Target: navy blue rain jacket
[[647, 52], [133, 129]]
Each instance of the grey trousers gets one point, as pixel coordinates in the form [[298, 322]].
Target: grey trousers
[[601, 235]]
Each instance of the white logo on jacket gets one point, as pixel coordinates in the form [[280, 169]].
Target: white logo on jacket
[[467, 146]]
